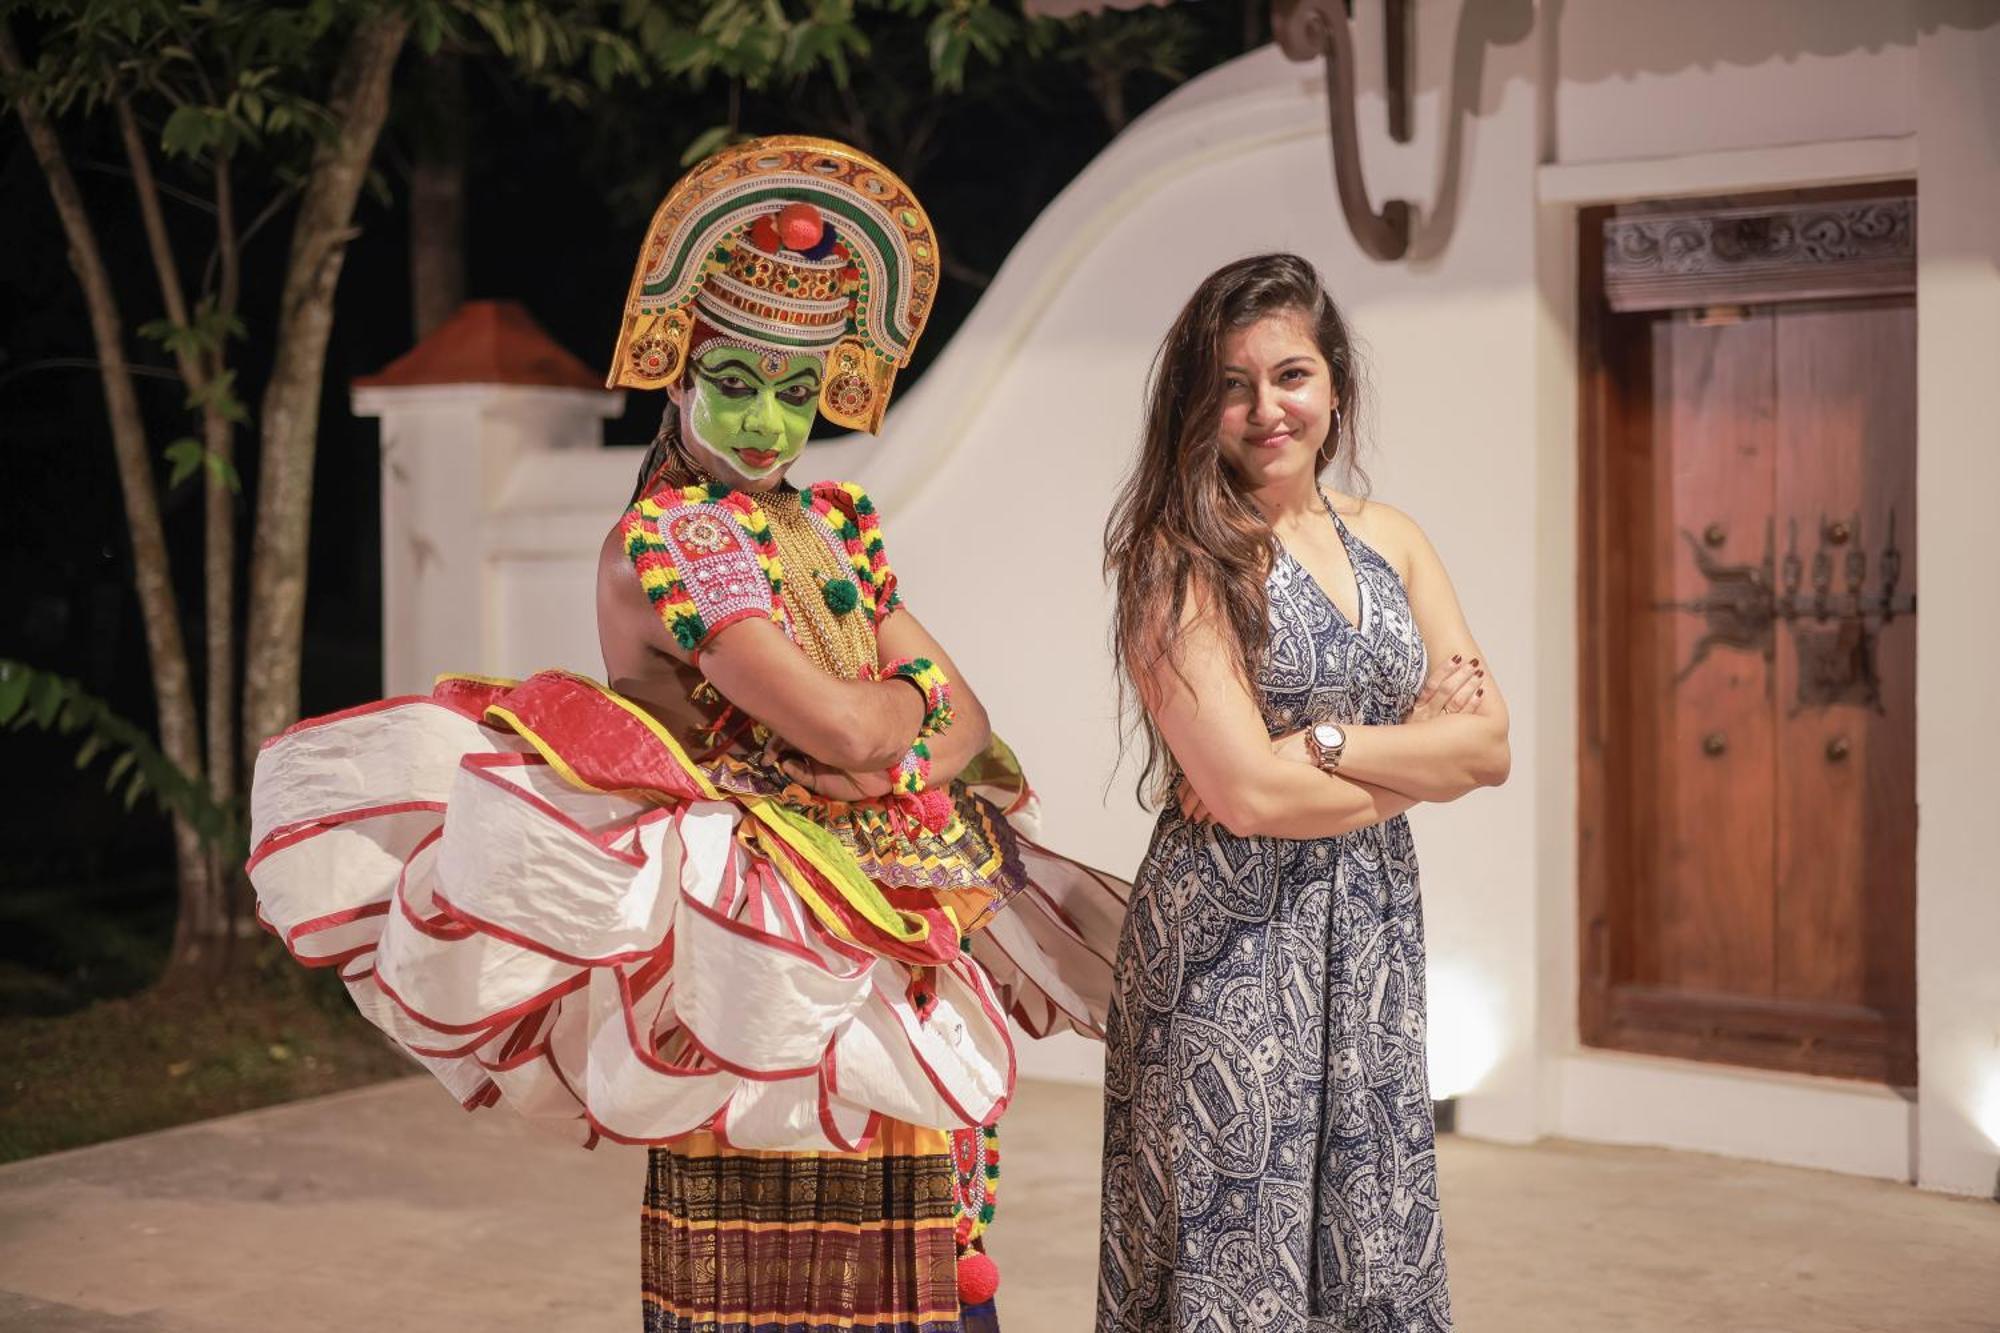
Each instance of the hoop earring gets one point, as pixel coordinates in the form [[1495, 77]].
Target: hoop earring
[[1332, 435]]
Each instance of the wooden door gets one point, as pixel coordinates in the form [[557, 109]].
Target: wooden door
[[1749, 809]]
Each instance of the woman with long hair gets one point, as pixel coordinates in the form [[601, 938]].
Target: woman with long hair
[[1304, 676]]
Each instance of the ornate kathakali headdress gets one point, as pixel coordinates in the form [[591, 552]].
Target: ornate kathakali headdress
[[785, 245]]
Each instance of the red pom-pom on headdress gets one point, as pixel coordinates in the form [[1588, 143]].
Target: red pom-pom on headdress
[[800, 227]]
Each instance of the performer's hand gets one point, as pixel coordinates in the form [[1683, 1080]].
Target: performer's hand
[[832, 783], [1458, 688]]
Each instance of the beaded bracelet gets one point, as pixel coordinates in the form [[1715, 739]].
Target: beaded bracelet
[[935, 687], [912, 772]]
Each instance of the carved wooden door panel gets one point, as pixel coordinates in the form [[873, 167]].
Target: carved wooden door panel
[[1749, 761]]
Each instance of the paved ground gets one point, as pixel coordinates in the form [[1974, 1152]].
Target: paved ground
[[388, 1209]]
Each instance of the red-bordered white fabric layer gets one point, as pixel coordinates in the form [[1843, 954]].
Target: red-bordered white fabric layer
[[611, 965]]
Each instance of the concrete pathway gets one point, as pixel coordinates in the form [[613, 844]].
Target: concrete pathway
[[388, 1209]]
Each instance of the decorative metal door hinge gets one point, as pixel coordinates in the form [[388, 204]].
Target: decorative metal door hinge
[[1834, 633]]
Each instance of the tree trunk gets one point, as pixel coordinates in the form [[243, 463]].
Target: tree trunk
[[1107, 85], [273, 643], [205, 919], [151, 577], [437, 195], [218, 561]]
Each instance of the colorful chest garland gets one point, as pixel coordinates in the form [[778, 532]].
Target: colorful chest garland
[[707, 557]]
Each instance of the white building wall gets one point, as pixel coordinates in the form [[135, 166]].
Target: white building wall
[[1958, 631], [996, 471]]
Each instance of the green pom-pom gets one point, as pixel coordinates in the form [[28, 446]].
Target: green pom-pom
[[689, 631], [841, 595]]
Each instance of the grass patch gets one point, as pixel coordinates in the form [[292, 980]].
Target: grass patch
[[183, 1051]]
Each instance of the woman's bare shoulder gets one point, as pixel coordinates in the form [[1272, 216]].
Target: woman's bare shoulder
[[1391, 531]]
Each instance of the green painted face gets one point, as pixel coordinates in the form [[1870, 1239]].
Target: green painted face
[[748, 417]]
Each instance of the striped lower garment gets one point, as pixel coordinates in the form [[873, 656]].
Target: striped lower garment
[[737, 1241]]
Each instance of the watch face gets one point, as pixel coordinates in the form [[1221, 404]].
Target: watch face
[[1329, 736]]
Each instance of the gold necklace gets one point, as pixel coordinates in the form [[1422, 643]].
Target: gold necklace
[[840, 644]]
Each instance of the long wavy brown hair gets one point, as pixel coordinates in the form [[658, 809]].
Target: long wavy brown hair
[[1183, 520]]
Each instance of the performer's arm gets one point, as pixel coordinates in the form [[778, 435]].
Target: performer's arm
[[859, 725], [902, 635], [1204, 709]]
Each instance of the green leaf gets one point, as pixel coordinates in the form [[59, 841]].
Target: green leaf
[[223, 472], [45, 701], [186, 455], [708, 141], [219, 395], [429, 31], [603, 65], [54, 703], [187, 132], [14, 681]]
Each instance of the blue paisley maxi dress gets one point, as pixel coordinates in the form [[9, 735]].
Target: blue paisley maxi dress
[[1269, 1162]]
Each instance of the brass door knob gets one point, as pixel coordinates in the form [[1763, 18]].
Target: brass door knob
[[1837, 750], [1838, 532], [1714, 744]]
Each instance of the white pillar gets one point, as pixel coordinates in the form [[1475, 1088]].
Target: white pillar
[[1958, 569], [448, 451]]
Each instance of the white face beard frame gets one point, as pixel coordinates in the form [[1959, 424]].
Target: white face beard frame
[[724, 464], [691, 434]]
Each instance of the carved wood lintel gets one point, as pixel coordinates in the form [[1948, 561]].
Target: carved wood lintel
[[1782, 252], [1318, 29]]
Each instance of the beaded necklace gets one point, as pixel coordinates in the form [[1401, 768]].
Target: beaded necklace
[[839, 643]]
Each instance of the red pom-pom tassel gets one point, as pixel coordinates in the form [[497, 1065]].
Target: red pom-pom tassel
[[800, 227], [978, 1277]]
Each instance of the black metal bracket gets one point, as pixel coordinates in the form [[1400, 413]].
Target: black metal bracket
[[1321, 29]]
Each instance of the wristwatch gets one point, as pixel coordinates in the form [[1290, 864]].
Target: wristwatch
[[1324, 742]]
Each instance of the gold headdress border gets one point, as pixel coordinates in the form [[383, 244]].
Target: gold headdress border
[[892, 245]]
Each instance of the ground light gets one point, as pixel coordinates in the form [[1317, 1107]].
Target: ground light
[[1464, 1038]]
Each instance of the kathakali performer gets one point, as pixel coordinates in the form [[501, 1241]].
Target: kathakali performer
[[765, 900]]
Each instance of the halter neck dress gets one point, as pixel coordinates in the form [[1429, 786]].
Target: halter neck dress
[[1268, 1145]]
